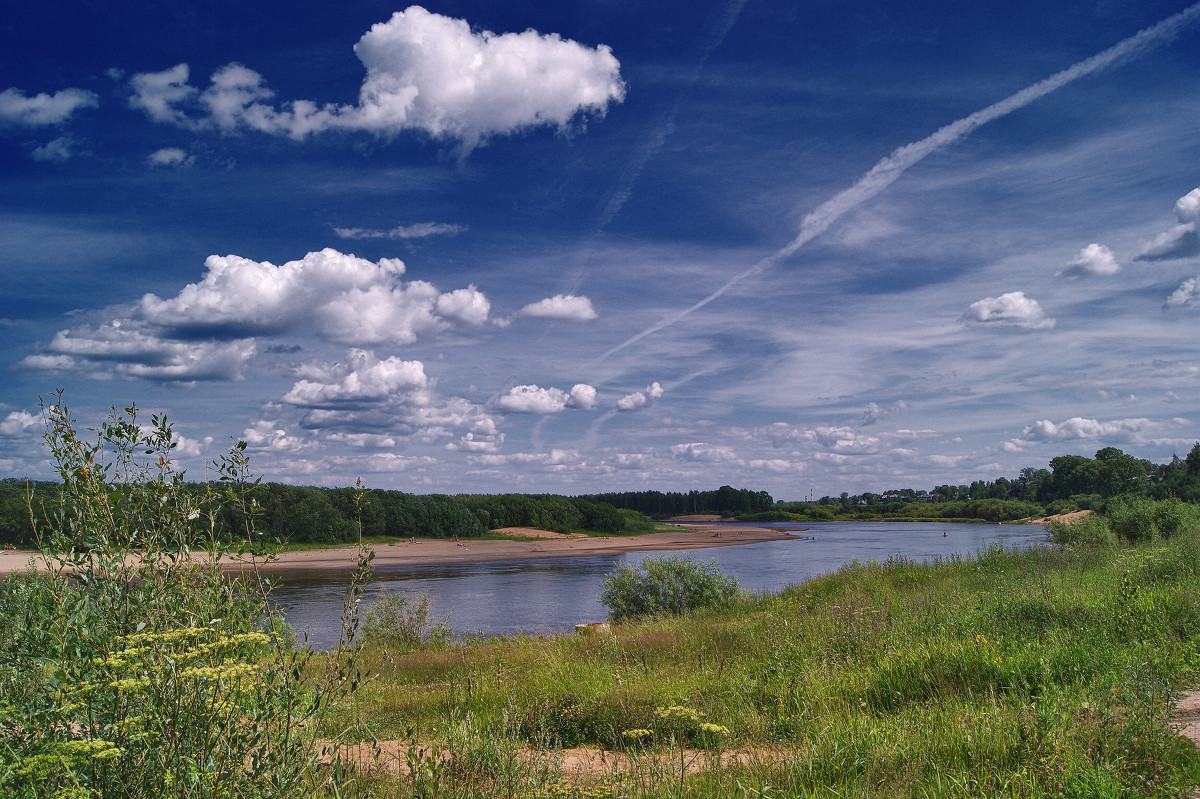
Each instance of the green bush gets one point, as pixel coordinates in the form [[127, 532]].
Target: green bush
[[1091, 530], [1138, 519], [669, 584], [634, 522], [1132, 518], [1173, 517], [402, 619]]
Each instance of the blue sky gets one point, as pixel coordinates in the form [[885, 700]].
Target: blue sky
[[586, 246]]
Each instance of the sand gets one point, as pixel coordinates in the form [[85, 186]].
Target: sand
[[524, 544]]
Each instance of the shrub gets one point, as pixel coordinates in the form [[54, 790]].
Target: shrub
[[1087, 531], [1132, 518], [634, 522], [669, 584], [1173, 517], [402, 619]]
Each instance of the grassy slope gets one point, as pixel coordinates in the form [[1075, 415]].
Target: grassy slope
[[1036, 673]]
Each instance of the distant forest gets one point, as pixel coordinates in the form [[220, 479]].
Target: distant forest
[[333, 515]]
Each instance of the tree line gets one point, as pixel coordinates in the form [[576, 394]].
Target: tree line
[[725, 501], [308, 514], [336, 515], [1073, 482]]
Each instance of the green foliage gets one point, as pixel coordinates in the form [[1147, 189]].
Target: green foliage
[[725, 501], [666, 585], [634, 522], [403, 620], [1132, 519], [1088, 531], [130, 667]]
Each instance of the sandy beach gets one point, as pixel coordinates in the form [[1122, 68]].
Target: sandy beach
[[524, 544]]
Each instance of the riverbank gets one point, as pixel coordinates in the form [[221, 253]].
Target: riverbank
[[1025, 671], [524, 544]]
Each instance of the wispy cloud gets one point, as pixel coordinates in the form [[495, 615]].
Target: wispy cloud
[[1180, 241], [419, 230], [891, 168], [170, 157], [43, 109]]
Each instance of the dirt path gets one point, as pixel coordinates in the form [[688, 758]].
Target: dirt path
[[576, 763], [582, 762]]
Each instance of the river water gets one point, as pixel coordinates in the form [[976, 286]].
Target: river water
[[553, 595]]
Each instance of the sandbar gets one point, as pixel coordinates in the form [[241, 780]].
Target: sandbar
[[522, 544]]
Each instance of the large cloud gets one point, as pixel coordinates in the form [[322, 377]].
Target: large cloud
[[425, 72], [377, 400], [1180, 241], [1013, 308], [348, 300], [561, 306], [207, 331], [42, 109], [1092, 260], [546, 401]]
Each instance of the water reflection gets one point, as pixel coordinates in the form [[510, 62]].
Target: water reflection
[[546, 596]]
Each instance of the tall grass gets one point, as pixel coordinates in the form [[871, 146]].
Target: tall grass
[[1041, 672]]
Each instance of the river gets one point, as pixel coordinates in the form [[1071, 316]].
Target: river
[[553, 595]]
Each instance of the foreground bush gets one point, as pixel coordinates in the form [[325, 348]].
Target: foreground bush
[[669, 584], [128, 668]]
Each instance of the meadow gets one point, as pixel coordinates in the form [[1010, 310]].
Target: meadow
[[1044, 672]]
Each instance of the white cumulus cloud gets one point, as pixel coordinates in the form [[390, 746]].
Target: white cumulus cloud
[[1187, 295], [1181, 240], [18, 422], [349, 300], [640, 399], [1013, 308], [424, 71], [561, 306], [432, 72], [43, 109], [363, 379], [1092, 260], [545, 401]]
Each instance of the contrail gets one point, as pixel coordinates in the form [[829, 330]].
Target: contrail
[[713, 38], [884, 173]]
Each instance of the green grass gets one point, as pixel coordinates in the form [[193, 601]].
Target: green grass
[[1007, 675]]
